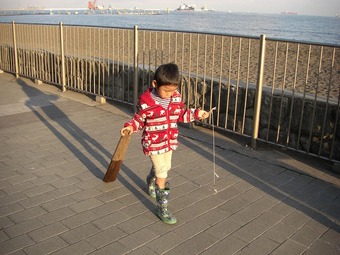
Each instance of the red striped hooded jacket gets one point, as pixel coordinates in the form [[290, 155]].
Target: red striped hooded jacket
[[159, 125]]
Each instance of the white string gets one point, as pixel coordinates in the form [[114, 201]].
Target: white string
[[213, 144]]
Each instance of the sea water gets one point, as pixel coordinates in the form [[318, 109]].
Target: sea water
[[301, 28]]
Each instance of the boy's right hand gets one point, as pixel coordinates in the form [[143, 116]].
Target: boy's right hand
[[126, 130]]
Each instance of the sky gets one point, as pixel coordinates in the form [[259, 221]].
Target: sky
[[304, 7]]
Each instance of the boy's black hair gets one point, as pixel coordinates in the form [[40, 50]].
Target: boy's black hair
[[167, 74]]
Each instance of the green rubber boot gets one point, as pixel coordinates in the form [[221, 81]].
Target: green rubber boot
[[163, 212], [151, 181]]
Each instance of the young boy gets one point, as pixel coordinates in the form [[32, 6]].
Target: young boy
[[159, 110]]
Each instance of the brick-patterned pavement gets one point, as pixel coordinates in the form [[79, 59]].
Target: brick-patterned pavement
[[55, 148]]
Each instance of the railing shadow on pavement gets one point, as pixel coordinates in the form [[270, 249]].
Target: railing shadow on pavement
[[52, 114], [312, 204]]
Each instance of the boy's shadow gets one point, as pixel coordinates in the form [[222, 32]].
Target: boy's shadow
[[44, 108]]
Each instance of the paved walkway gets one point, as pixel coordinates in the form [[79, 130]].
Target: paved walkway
[[55, 148]]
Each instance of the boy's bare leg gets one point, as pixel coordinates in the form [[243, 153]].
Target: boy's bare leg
[[160, 182]]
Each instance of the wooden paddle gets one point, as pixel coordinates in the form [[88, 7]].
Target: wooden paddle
[[117, 158]]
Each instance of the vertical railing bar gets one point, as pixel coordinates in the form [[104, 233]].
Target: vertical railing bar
[[104, 62], [94, 62], [24, 53], [128, 65], [31, 52], [101, 67], [293, 94], [246, 88], [182, 56], [91, 62], [86, 63], [38, 55], [14, 37], [176, 38], [204, 69], [229, 83], [327, 102], [189, 71], [156, 49], [55, 53], [66, 51], [169, 47], [149, 71], [118, 55], [51, 53], [155, 53], [77, 57], [100, 61], [304, 97], [135, 82], [272, 91], [237, 82], [220, 83], [282, 93], [113, 64], [63, 82], [44, 53], [335, 123], [107, 87], [40, 51], [258, 92], [123, 63], [37, 51], [315, 100], [162, 47], [196, 81], [212, 75], [20, 52], [47, 53], [143, 61], [72, 56], [83, 61]]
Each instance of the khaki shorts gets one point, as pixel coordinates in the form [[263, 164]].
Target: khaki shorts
[[161, 164]]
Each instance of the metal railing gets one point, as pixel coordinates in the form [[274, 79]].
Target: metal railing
[[280, 92]]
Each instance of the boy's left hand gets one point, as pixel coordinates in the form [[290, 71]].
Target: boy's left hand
[[203, 114]]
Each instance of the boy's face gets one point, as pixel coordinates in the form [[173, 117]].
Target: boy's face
[[165, 91]]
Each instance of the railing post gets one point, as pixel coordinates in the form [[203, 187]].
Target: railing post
[[135, 80], [258, 93], [15, 51], [63, 76]]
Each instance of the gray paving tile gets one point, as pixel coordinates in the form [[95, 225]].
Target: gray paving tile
[[106, 237], [23, 227], [27, 214], [290, 247], [77, 234], [80, 248], [48, 231], [15, 244], [47, 246]]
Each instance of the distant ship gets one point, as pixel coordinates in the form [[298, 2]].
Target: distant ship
[[205, 8], [186, 7], [289, 13]]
